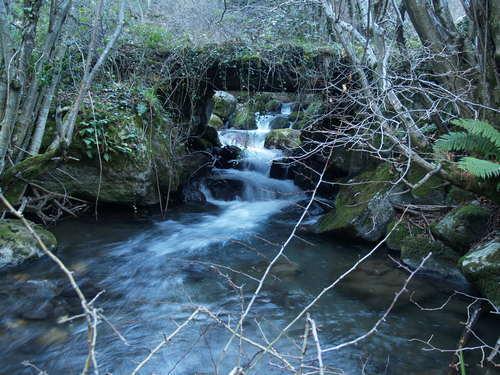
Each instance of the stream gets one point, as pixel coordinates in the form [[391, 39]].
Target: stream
[[156, 271]]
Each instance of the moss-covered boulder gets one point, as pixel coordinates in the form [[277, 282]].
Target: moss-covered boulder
[[215, 122], [482, 267], [362, 209], [443, 261], [244, 118], [400, 233], [273, 105], [17, 244], [280, 122], [312, 113], [224, 104], [282, 139], [433, 191], [462, 227]]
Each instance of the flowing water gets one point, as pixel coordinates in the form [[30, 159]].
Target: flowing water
[[155, 271]]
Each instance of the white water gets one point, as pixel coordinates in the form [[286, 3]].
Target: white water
[[261, 197]]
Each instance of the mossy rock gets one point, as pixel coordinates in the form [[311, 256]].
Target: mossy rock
[[224, 104], [244, 118], [282, 139], [280, 122], [216, 122], [462, 227], [443, 261], [362, 209], [17, 244], [457, 196], [482, 267], [259, 102], [273, 105], [302, 119], [404, 230], [433, 191]]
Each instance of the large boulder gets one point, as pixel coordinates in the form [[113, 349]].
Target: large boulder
[[362, 209], [282, 139], [17, 244], [224, 104], [482, 267], [463, 226], [442, 263], [280, 122], [244, 118], [225, 189], [414, 243]]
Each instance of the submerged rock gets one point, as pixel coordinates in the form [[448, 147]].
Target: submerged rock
[[17, 244], [362, 210], [282, 139], [482, 267], [224, 104], [463, 226]]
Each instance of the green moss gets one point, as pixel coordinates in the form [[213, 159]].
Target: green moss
[[284, 139], [459, 196], [272, 105], [216, 122], [244, 119], [18, 244], [463, 226], [431, 192], [352, 200], [403, 231]]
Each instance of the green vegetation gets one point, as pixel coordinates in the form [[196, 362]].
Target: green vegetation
[[481, 141]]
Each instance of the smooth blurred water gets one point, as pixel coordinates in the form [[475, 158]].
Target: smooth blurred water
[[156, 271]]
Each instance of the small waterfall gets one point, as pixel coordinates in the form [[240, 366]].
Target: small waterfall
[[256, 162]]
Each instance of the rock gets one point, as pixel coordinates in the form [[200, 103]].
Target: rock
[[224, 104], [227, 157], [17, 244], [481, 266], [225, 189], [279, 122], [30, 299], [433, 191], [282, 139], [403, 231], [462, 227], [303, 119], [362, 210], [273, 105], [216, 122], [243, 119], [443, 262], [204, 138], [191, 193], [280, 169], [457, 196]]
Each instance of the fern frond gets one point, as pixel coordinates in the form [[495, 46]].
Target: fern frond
[[474, 144], [480, 128], [479, 168]]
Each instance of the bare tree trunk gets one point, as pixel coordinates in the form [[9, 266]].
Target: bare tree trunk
[[64, 139], [37, 138]]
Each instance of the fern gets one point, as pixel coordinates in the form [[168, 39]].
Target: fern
[[479, 167], [461, 141], [480, 141], [480, 128]]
